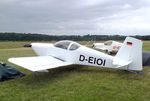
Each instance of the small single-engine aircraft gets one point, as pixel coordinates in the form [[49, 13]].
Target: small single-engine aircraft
[[110, 47], [64, 53]]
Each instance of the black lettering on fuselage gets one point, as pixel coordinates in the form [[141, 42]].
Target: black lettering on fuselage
[[99, 61], [104, 62], [95, 60], [81, 58], [92, 60]]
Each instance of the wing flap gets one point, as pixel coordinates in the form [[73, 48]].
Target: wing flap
[[38, 63]]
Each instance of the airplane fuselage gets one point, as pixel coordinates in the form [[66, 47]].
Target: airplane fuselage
[[81, 56]]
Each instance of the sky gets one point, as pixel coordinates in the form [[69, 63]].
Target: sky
[[76, 17]]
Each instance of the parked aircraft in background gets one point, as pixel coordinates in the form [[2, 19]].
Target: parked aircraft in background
[[64, 53], [110, 47]]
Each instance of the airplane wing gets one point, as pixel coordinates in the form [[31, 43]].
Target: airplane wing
[[38, 63]]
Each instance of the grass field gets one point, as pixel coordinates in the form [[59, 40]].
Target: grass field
[[77, 83]]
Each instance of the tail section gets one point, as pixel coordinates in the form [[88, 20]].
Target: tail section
[[130, 55]]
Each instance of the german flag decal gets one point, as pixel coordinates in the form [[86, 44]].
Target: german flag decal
[[129, 43]]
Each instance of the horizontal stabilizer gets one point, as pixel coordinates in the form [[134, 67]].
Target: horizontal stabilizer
[[38, 63], [120, 63]]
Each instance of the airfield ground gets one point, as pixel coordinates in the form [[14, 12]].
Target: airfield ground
[[77, 83]]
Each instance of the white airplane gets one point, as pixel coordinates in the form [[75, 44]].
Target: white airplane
[[110, 47], [64, 53]]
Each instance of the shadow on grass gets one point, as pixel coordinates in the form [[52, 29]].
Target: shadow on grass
[[42, 78], [39, 79]]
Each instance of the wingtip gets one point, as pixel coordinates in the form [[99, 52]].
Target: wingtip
[[10, 59]]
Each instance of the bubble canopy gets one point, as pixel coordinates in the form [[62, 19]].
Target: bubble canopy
[[67, 44]]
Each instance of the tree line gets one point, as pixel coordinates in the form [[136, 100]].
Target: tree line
[[41, 37]]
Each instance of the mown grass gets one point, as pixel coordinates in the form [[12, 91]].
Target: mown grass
[[8, 44], [73, 83]]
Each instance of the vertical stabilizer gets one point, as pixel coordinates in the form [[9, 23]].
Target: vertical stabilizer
[[130, 54]]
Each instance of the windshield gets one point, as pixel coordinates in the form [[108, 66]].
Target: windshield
[[62, 44], [66, 44], [108, 43], [74, 46]]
